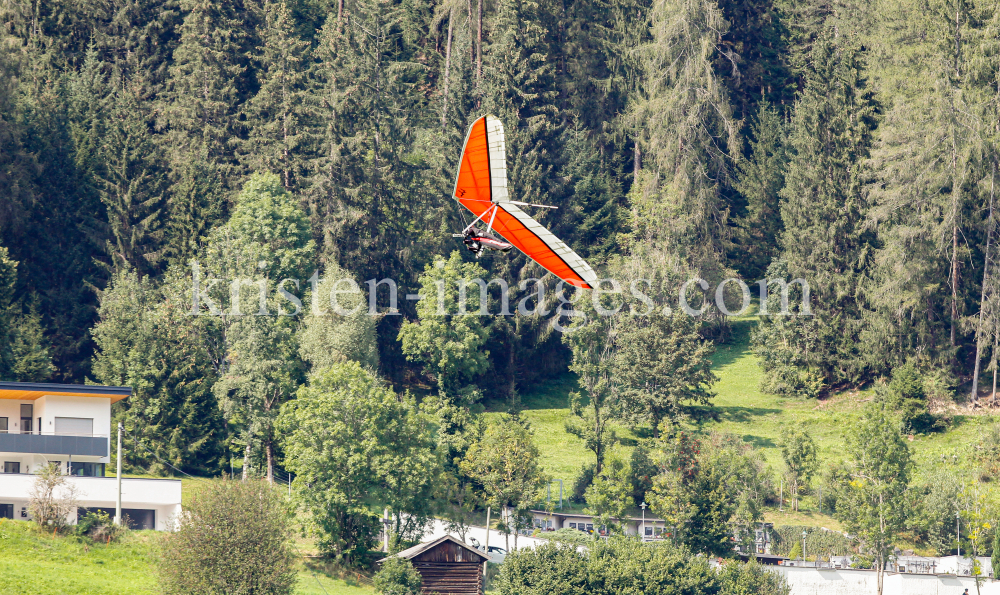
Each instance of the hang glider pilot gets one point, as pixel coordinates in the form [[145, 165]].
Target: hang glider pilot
[[475, 240]]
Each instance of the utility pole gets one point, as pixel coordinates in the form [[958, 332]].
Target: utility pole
[[487, 546], [781, 493], [385, 530], [118, 502], [642, 531], [958, 531]]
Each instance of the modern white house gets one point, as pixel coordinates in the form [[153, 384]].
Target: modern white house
[[649, 527], [70, 425]]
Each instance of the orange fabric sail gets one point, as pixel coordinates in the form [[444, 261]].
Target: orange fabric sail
[[482, 184]]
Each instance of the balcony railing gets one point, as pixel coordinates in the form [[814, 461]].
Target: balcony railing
[[48, 443]]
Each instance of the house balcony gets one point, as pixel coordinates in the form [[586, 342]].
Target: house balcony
[[88, 445]]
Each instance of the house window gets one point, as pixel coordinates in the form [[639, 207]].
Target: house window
[[87, 469], [649, 531], [11, 467], [27, 410], [590, 527], [6, 511], [3, 425], [77, 426], [572, 525]]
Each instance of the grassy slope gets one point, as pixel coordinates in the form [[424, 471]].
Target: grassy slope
[[747, 412], [36, 563]]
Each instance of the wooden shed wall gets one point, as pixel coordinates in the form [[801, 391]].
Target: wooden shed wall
[[448, 552], [450, 578]]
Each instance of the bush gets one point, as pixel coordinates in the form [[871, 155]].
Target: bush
[[99, 526], [397, 577], [52, 499], [618, 565], [234, 538], [906, 393], [751, 578], [582, 482]]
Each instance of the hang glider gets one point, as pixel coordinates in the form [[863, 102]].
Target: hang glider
[[481, 187]]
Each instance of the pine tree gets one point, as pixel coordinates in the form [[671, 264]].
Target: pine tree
[[57, 243], [132, 186], [367, 160], [272, 115], [685, 130], [198, 109], [825, 240], [755, 61], [146, 340], [759, 180], [930, 160]]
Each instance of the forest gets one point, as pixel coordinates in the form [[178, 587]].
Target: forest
[[851, 144]]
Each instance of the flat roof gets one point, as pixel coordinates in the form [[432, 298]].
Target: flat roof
[[29, 391]]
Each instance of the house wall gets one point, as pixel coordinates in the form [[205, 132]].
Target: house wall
[[97, 408], [161, 495], [11, 409]]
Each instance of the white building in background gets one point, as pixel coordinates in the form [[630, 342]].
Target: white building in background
[[70, 425]]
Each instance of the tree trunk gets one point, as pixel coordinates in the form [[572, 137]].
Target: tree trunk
[[246, 461], [996, 339], [447, 69], [636, 161], [982, 304], [954, 259], [479, 46], [269, 449]]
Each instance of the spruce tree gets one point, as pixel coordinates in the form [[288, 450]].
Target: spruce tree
[[825, 239], [272, 114], [366, 194], [132, 186], [199, 106], [685, 130], [759, 180], [930, 163]]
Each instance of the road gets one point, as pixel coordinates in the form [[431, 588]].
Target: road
[[437, 529]]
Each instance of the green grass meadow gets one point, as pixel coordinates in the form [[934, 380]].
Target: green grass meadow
[[34, 562]]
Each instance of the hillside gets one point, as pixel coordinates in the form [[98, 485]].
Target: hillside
[[36, 563], [747, 412]]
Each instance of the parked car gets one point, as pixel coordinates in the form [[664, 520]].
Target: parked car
[[497, 554]]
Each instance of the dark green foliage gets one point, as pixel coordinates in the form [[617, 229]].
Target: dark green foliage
[[132, 186], [751, 578], [618, 565], [905, 393], [236, 538], [760, 177], [397, 577], [825, 240], [146, 340]]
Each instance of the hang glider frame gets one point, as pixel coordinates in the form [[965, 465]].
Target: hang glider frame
[[481, 187]]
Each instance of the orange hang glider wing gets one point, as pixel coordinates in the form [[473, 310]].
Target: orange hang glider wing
[[482, 185]]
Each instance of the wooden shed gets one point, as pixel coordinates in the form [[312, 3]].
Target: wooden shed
[[447, 566]]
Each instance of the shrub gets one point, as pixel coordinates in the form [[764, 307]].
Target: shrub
[[234, 538], [618, 565], [906, 393], [397, 577], [751, 578], [582, 482], [99, 526], [52, 499]]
